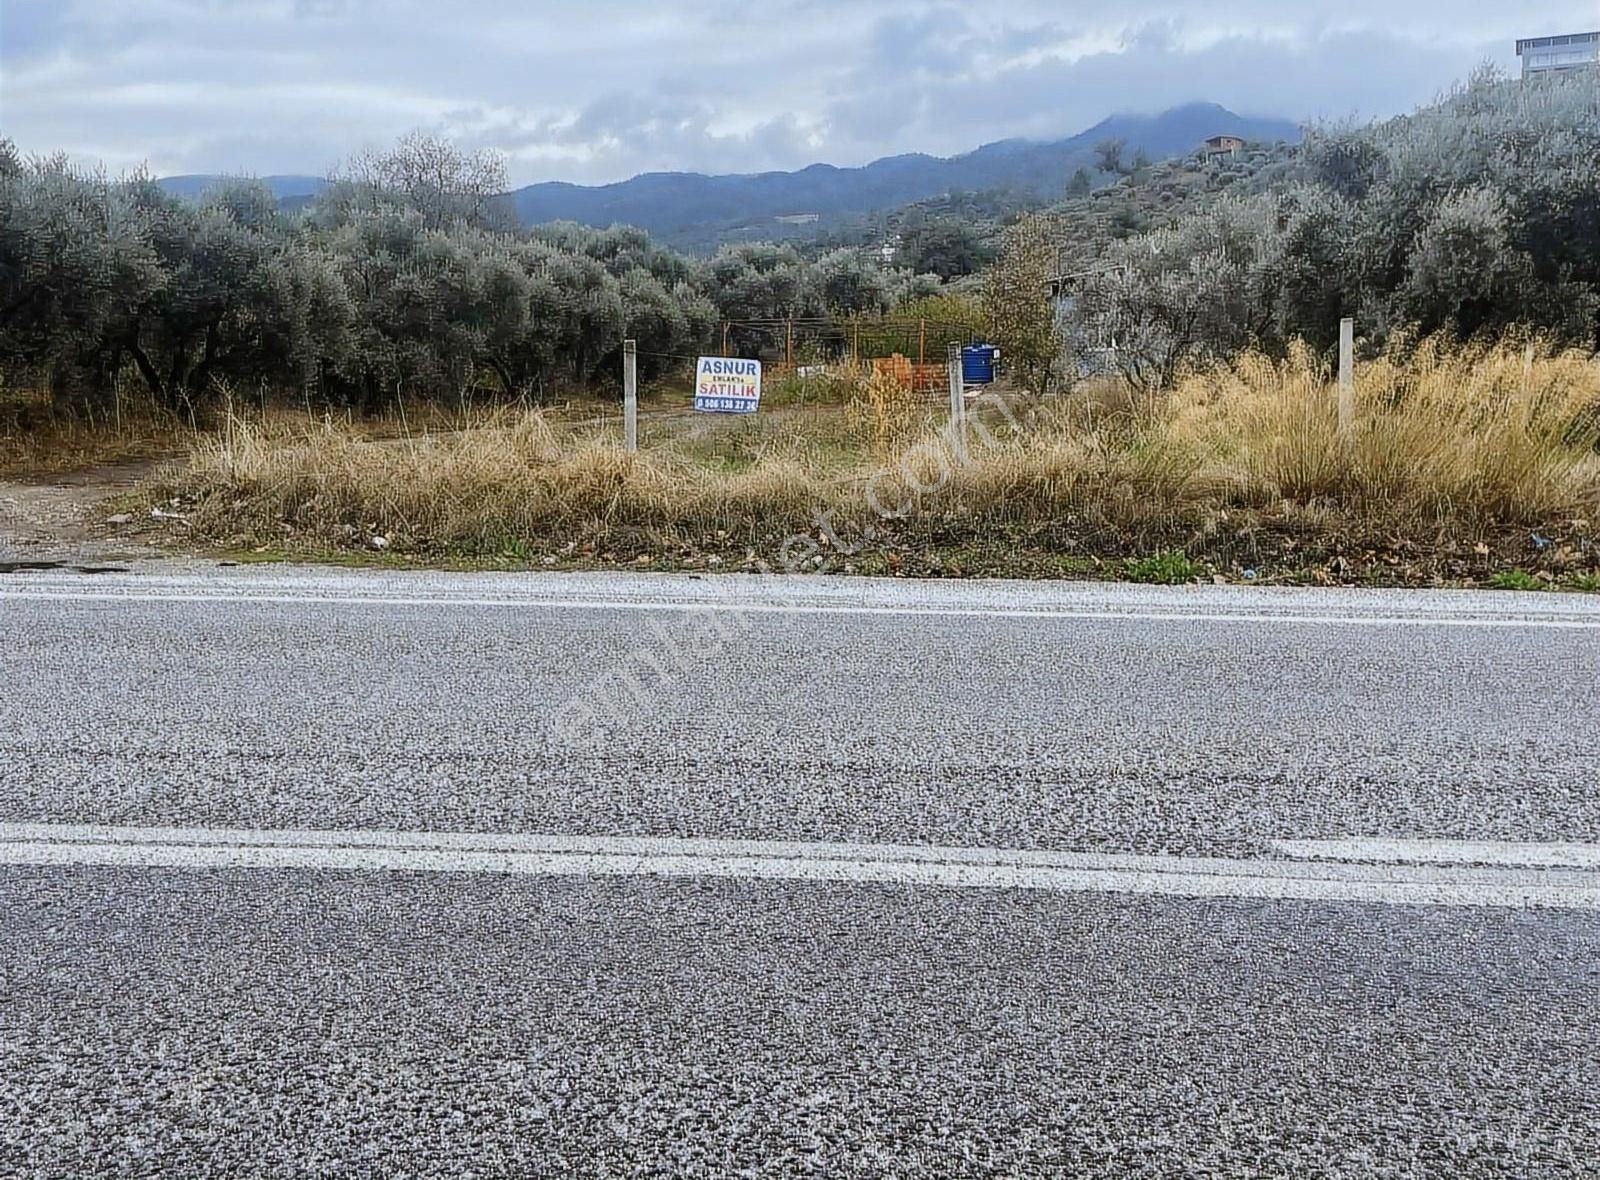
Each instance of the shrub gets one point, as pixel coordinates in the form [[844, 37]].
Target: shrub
[[1471, 217], [1515, 580], [1170, 568]]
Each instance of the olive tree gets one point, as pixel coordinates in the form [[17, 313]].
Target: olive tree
[[76, 265], [1472, 216], [1017, 305], [440, 181]]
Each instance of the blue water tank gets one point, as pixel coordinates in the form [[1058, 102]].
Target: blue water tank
[[978, 362]]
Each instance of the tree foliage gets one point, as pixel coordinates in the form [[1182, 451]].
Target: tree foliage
[[1471, 216], [945, 247], [1109, 152], [441, 182], [1014, 301], [404, 278]]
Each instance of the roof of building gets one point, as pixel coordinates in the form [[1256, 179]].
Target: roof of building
[[1563, 39]]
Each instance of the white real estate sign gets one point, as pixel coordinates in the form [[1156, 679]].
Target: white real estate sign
[[726, 385]]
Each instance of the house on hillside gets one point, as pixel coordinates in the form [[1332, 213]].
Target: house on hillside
[[1542, 56], [1220, 147]]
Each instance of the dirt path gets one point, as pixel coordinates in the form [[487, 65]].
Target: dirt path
[[59, 519]]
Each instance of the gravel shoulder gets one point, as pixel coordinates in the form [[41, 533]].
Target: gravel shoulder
[[64, 520]]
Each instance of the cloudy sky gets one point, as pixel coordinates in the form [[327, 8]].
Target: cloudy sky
[[601, 90]]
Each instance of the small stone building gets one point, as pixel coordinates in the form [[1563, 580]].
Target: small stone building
[[1221, 146]]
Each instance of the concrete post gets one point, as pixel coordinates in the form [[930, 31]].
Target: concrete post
[[958, 405], [630, 393], [1347, 378]]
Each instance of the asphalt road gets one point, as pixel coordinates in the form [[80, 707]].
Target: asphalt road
[[338, 873]]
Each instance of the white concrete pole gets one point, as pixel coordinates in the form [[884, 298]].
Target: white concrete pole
[[958, 405], [630, 393], [1347, 377]]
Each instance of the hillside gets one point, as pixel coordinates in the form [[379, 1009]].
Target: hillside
[[285, 188], [694, 211]]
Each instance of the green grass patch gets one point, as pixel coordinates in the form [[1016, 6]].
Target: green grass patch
[[1515, 580], [1169, 568]]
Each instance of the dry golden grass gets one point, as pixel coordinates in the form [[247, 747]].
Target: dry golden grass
[[505, 481], [38, 437], [887, 412], [1474, 433], [1450, 442]]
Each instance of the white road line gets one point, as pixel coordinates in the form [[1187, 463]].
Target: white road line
[[1456, 852], [1556, 622], [464, 852]]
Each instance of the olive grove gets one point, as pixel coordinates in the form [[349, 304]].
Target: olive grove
[[1472, 216], [406, 277]]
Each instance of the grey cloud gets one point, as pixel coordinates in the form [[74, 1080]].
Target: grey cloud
[[321, 9], [28, 29], [919, 41], [597, 91], [622, 134], [1153, 36]]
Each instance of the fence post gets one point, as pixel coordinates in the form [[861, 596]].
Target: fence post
[[630, 393], [1347, 378], [958, 405]]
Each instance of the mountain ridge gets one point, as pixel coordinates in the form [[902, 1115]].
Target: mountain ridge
[[286, 186], [690, 207], [676, 205]]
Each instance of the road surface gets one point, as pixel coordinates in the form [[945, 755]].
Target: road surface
[[338, 873]]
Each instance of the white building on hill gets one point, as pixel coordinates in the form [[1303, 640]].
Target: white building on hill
[[1558, 55]]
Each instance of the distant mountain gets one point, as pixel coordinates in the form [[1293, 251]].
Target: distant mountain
[[678, 205], [693, 210], [284, 188], [1183, 129]]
